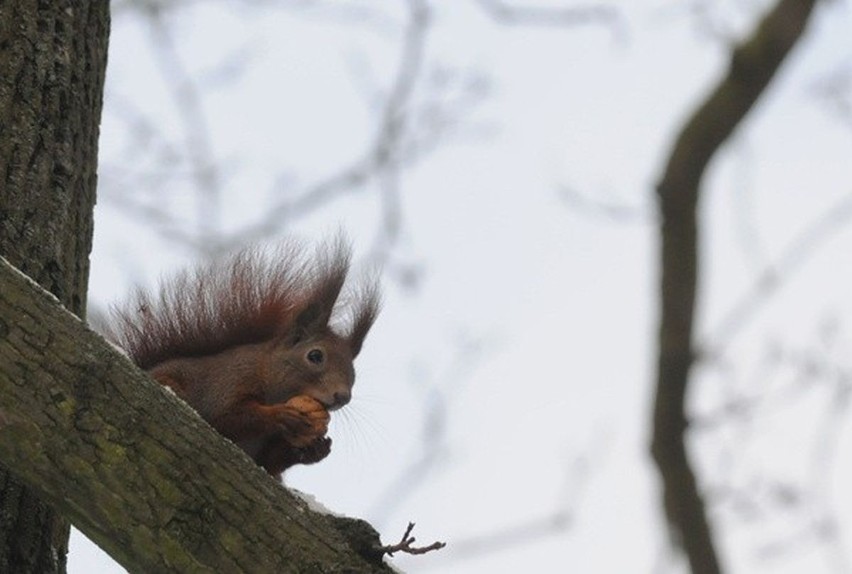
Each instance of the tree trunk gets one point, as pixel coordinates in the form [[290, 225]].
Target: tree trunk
[[52, 63], [753, 65]]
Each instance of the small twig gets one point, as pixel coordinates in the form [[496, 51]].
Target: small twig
[[405, 544], [617, 212], [505, 13], [798, 252]]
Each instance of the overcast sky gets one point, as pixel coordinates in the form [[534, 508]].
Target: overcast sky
[[502, 398]]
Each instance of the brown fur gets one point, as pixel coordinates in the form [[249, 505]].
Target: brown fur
[[235, 339]]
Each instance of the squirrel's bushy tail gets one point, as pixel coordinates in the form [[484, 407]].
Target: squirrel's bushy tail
[[249, 297]]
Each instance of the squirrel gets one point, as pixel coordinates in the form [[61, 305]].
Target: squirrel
[[248, 342]]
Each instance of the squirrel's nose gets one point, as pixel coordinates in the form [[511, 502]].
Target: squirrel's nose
[[341, 398]]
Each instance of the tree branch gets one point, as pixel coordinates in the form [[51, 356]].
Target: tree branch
[[753, 65], [136, 469]]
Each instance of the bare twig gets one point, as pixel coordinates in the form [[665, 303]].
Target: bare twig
[[432, 448], [613, 211], [382, 160], [558, 520], [518, 534], [205, 172], [799, 251], [758, 496], [192, 160], [549, 16], [836, 91], [379, 166], [406, 542]]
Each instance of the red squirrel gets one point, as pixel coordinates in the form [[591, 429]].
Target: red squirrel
[[248, 343]]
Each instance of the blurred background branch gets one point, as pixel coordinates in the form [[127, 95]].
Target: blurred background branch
[[753, 65]]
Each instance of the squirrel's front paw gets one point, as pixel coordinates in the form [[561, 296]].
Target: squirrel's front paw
[[278, 457], [305, 421], [316, 451]]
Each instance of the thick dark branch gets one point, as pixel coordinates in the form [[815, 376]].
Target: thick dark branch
[[135, 468], [753, 65]]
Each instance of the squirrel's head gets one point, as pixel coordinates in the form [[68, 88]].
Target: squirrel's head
[[310, 357], [319, 366]]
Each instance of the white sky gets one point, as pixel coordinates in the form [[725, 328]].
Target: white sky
[[533, 322]]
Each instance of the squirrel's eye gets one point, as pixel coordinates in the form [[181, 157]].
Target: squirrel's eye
[[315, 356]]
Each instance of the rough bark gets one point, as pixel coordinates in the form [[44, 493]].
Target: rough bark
[[138, 470], [52, 62], [753, 65]]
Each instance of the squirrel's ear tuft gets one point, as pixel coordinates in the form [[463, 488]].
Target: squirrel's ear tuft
[[323, 290], [366, 308]]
